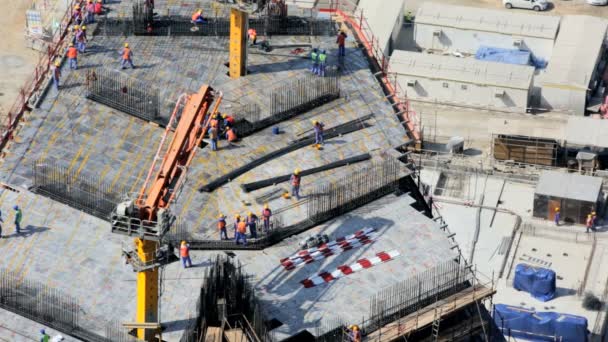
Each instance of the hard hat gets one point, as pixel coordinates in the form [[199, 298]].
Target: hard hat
[[100, 1], [237, 216], [224, 116], [57, 63], [593, 213], [183, 242], [296, 171], [77, 6], [76, 27], [314, 122], [16, 207], [83, 28], [323, 52], [221, 216], [266, 206], [314, 50], [355, 327], [126, 44], [249, 213], [71, 44], [42, 331], [556, 208]]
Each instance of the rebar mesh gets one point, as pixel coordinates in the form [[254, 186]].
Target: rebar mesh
[[129, 95], [84, 193]]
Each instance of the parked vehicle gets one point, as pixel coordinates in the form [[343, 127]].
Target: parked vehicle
[[537, 5], [597, 2]]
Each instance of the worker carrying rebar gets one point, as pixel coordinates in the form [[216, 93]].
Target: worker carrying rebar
[[197, 17], [252, 35], [557, 216], [266, 214], [252, 221], [221, 226], [56, 74], [18, 218], [90, 18], [45, 337], [318, 128], [314, 60], [184, 253], [241, 232], [341, 41], [127, 57], [322, 63], [354, 333], [72, 55], [295, 180], [98, 7]]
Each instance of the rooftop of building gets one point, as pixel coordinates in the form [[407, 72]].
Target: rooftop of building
[[515, 23], [465, 70], [382, 19]]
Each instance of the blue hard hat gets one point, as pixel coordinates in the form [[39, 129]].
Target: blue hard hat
[[42, 331], [323, 51], [16, 207], [314, 50]]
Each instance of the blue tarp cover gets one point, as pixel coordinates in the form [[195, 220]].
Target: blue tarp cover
[[540, 326], [509, 56], [540, 282]]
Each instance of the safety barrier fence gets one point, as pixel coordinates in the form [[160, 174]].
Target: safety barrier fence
[[84, 193], [33, 86], [127, 94], [227, 301], [52, 308]]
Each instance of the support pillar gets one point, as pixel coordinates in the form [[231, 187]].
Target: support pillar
[[239, 24], [147, 290]]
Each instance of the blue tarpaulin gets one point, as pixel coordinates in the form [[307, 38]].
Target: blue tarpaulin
[[539, 282], [540, 326], [509, 56]]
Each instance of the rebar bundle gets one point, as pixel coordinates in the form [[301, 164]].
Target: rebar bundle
[[127, 94], [84, 193]]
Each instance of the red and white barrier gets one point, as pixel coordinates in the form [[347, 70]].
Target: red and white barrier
[[344, 270], [307, 256]]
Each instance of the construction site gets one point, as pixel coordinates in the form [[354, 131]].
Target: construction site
[[303, 170]]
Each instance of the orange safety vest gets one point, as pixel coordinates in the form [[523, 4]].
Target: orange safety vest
[[184, 251], [126, 53], [195, 16], [252, 33], [221, 224], [231, 135], [295, 180], [241, 227], [72, 52], [214, 123]]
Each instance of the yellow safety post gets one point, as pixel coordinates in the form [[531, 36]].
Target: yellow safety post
[[239, 22], [147, 290]]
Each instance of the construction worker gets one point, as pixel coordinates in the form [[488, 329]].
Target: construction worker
[[184, 253], [589, 223], [341, 41], [252, 35], [215, 121], [77, 15], [18, 218], [314, 59], [241, 232], [237, 220], [557, 216], [221, 226], [593, 220], [266, 214], [213, 136], [409, 17], [197, 17], [295, 183], [98, 7], [90, 12], [354, 334], [228, 120], [231, 136], [72, 55], [81, 39], [318, 128], [322, 60], [127, 57], [56, 74], [45, 337], [252, 221]]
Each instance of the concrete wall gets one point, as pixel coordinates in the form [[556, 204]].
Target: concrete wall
[[469, 41], [475, 95], [564, 99]]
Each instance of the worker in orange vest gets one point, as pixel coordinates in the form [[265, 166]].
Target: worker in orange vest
[[231, 136], [72, 55], [341, 41], [127, 57], [197, 17], [241, 232], [266, 214], [221, 226], [184, 253], [252, 34], [295, 180]]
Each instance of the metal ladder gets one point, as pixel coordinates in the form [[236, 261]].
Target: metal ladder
[[436, 321]]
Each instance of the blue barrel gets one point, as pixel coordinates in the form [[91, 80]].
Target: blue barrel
[[275, 130]]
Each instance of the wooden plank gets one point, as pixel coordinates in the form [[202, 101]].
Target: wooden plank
[[214, 334], [426, 316], [135, 325], [235, 335]]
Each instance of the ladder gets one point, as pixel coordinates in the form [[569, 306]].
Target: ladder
[[436, 321]]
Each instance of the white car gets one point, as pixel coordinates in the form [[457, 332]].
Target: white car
[[597, 2], [537, 5]]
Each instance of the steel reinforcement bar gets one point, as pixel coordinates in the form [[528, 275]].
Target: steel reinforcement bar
[[247, 187], [216, 183], [127, 94], [87, 194]]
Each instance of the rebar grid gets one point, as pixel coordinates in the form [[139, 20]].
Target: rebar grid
[[84, 193], [227, 300], [127, 94]]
